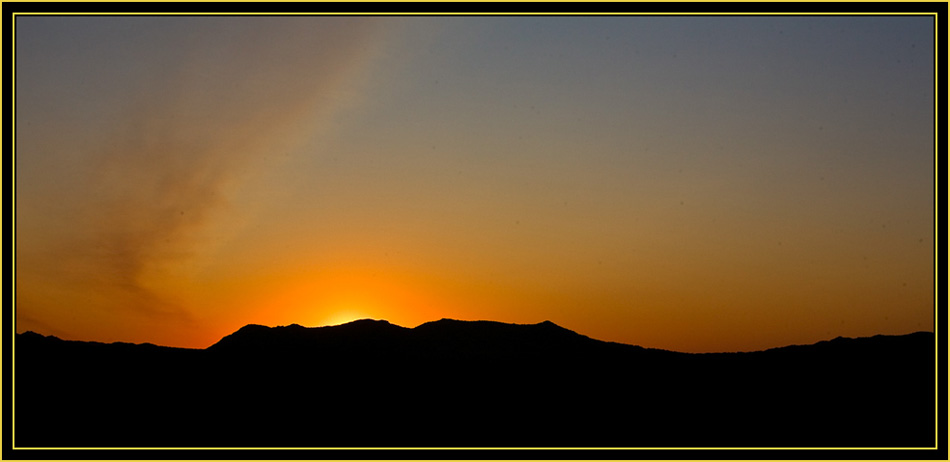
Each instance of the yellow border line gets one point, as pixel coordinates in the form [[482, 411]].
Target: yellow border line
[[476, 448], [936, 234], [13, 285], [475, 14], [936, 229]]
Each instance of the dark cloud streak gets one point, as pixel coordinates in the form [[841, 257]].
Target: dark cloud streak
[[131, 149]]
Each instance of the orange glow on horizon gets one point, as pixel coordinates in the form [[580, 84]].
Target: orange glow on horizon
[[323, 297], [176, 198]]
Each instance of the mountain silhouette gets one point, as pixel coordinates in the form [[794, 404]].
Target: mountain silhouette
[[451, 383]]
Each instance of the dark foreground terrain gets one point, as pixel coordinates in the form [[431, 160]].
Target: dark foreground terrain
[[469, 384]]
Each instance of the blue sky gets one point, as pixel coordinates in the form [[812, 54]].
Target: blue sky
[[696, 183]]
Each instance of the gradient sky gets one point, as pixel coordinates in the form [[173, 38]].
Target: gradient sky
[[689, 183]]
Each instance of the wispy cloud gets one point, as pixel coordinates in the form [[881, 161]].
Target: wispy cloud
[[203, 104]]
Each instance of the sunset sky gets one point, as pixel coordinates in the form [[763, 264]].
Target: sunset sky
[[715, 183]]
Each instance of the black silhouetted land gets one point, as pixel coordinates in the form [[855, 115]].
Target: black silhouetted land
[[469, 384]]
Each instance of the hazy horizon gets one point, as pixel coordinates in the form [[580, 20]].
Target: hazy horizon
[[696, 184], [411, 327]]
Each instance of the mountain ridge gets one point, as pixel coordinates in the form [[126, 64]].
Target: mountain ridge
[[453, 383], [258, 328]]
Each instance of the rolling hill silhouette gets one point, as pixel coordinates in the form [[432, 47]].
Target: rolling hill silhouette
[[455, 383]]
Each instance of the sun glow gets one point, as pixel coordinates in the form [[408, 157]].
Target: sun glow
[[347, 306], [342, 294], [343, 316]]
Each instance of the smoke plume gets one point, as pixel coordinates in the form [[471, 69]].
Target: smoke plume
[[132, 132]]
